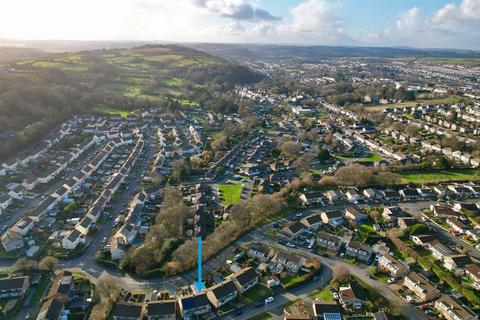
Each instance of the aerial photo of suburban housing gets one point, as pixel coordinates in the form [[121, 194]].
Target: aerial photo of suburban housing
[[239, 159]]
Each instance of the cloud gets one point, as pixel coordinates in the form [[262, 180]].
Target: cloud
[[236, 9], [408, 20]]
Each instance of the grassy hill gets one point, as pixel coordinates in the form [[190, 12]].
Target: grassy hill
[[37, 94]]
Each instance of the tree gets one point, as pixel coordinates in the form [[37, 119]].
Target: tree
[[25, 266], [48, 263], [341, 274], [290, 149], [324, 155]]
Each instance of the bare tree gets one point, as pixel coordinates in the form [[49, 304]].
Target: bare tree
[[48, 263], [341, 273]]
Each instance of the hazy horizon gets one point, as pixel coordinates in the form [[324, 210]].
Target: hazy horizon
[[370, 23]]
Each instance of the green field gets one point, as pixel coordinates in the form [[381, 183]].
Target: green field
[[441, 176], [372, 157], [110, 110], [230, 193]]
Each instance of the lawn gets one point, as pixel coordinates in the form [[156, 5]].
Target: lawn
[[7, 255], [321, 294], [111, 110], [291, 280], [440, 175], [257, 293], [371, 157], [230, 193]]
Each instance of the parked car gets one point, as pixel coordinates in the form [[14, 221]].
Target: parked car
[[258, 304], [269, 299], [391, 280]]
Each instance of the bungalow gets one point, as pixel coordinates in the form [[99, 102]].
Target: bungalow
[[84, 225], [194, 305], [440, 251], [352, 296], [474, 234], [372, 194], [30, 183], [23, 226], [333, 218], [12, 241], [443, 211], [410, 194], [452, 310], [406, 222], [17, 193], [245, 279], [313, 221], [52, 309], [355, 214], [391, 195], [392, 213], [294, 229], [456, 225], [423, 239], [469, 207], [222, 293], [391, 265], [473, 272], [460, 191], [359, 251], [162, 310], [420, 287], [334, 196], [128, 232], [127, 311], [440, 190], [73, 239], [327, 310], [260, 252], [328, 242], [14, 287], [5, 201], [426, 193], [457, 263], [118, 248], [353, 196]]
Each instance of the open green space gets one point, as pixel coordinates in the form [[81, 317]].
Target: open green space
[[440, 175], [230, 193], [257, 293], [321, 294], [111, 110]]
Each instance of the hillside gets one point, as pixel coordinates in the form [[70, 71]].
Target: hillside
[[37, 94], [272, 52]]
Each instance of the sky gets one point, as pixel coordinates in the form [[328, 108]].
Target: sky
[[416, 23]]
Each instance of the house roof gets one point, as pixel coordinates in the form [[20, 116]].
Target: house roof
[[246, 275], [133, 310], [12, 283], [322, 307], [164, 308], [313, 219], [194, 301], [54, 309], [223, 289]]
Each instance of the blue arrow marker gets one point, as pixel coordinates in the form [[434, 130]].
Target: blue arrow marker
[[199, 283]]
